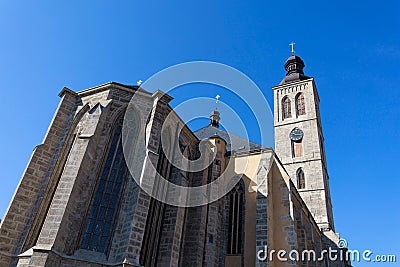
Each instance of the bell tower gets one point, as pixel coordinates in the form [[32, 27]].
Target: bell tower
[[299, 140]]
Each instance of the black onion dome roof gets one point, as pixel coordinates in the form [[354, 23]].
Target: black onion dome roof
[[294, 70]]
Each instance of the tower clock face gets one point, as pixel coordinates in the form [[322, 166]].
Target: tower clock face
[[296, 134]]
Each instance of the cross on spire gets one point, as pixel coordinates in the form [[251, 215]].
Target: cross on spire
[[217, 101], [292, 45]]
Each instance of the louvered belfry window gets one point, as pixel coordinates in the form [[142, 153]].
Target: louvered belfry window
[[300, 105], [286, 108]]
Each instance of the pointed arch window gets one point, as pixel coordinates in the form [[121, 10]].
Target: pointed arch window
[[152, 234], [236, 219], [286, 107], [104, 208], [300, 104], [301, 181]]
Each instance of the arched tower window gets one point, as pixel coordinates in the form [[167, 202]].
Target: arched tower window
[[236, 219], [104, 208], [300, 104], [301, 181], [286, 108]]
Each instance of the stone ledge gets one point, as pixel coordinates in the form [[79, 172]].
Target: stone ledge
[[80, 256]]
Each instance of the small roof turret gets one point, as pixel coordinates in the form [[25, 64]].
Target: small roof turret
[[214, 118]]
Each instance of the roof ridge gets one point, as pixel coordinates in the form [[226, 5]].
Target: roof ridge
[[202, 133]]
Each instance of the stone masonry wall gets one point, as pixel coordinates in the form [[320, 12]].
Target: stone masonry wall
[[17, 221], [312, 161]]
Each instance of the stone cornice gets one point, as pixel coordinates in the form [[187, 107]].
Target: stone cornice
[[102, 87], [66, 90], [292, 84]]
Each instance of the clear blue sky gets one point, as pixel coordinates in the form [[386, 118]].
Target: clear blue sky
[[351, 48]]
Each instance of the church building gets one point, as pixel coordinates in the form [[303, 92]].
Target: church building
[[79, 204]]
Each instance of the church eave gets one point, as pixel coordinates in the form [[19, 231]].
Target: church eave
[[234, 154], [292, 83], [102, 87], [106, 86]]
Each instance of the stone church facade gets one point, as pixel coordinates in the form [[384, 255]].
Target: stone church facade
[[77, 203]]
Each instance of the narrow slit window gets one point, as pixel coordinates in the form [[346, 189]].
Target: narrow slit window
[[236, 220], [301, 181]]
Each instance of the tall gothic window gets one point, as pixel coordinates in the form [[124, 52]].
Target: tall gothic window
[[236, 219], [152, 234], [300, 105], [301, 181], [100, 222], [286, 108]]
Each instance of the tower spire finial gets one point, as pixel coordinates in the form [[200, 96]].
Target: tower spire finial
[[292, 45], [214, 118], [217, 101]]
